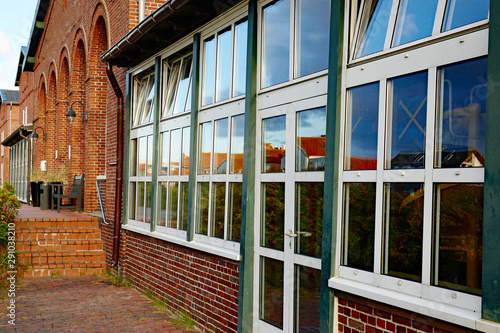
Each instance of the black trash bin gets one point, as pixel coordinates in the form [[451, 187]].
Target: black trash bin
[[45, 196], [35, 193]]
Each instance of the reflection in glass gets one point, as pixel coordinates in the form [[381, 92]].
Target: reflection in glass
[[276, 43], [205, 148], [162, 207], [234, 212], [271, 291], [463, 12], [183, 220], [237, 141], [461, 120], [133, 157], [402, 240], [175, 152], [309, 219], [273, 215], [132, 192], [209, 72], [149, 166], [240, 58], [311, 140], [274, 139], [458, 236], [183, 87], [143, 98], [173, 198], [220, 146], [165, 144], [307, 299], [185, 150], [312, 35], [362, 128], [140, 201], [143, 145], [359, 226], [375, 30], [415, 20], [406, 122], [171, 75], [149, 188], [223, 64], [202, 208], [218, 210]]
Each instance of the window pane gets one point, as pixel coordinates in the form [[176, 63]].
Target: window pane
[[373, 38], [359, 226], [274, 139], [458, 223], [209, 72], [175, 152], [162, 207], [463, 12], [149, 188], [311, 140], [183, 221], [165, 144], [171, 88], [415, 20], [223, 64], [220, 147], [309, 219], [240, 58], [406, 122], [183, 86], [173, 198], [133, 157], [149, 104], [149, 167], [202, 208], [273, 215], [462, 115], [312, 35], [276, 43], [307, 299], [402, 242], [362, 128], [132, 192], [140, 201], [185, 150], [234, 213], [218, 210], [143, 98], [205, 148], [237, 143], [271, 291], [143, 145]]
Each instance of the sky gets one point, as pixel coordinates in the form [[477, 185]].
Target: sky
[[16, 19]]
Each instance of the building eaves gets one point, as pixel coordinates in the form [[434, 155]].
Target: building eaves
[[22, 56], [18, 135], [9, 96], [36, 34], [169, 23]]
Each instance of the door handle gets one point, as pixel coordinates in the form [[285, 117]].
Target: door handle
[[291, 234]]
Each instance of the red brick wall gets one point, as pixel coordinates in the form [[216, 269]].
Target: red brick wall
[[5, 127], [199, 283], [357, 314]]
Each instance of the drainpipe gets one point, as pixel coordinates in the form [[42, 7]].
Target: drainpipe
[[119, 166], [142, 8], [10, 119]]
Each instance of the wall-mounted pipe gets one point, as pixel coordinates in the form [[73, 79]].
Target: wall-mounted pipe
[[142, 9], [119, 163]]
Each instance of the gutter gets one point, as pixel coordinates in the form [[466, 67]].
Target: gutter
[[119, 166]]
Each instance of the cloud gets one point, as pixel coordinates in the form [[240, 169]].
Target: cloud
[[8, 62], [6, 44]]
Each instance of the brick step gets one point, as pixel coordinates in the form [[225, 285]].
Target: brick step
[[65, 270], [59, 245], [67, 257], [86, 223], [57, 234]]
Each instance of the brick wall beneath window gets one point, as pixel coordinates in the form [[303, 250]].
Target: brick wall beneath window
[[199, 283], [357, 314]]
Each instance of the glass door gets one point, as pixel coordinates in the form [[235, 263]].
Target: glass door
[[290, 208]]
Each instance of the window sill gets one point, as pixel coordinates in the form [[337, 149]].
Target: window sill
[[446, 312], [195, 245]]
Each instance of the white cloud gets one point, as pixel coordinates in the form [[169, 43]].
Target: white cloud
[[6, 45]]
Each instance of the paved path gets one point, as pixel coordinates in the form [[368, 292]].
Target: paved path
[[82, 304]]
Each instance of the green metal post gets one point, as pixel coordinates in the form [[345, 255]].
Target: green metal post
[[247, 243], [156, 143], [330, 198], [126, 159]]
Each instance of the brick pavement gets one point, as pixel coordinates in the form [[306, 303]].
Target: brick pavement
[[82, 304]]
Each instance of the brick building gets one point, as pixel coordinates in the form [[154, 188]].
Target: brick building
[[9, 121], [287, 165]]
